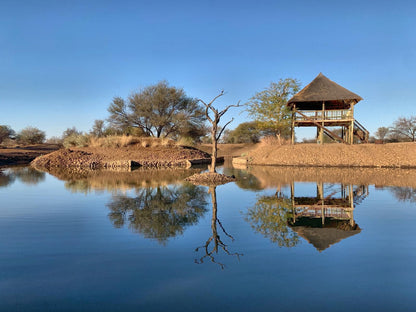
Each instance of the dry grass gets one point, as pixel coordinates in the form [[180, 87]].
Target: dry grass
[[114, 141], [127, 140], [273, 141], [184, 141]]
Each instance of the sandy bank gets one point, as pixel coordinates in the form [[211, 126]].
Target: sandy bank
[[400, 155]]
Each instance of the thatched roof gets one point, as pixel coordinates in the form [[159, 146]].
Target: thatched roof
[[322, 238], [322, 89]]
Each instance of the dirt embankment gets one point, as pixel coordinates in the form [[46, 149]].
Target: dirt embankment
[[393, 155], [229, 150], [21, 155], [132, 155]]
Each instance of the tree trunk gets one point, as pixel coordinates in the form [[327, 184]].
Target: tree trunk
[[214, 150]]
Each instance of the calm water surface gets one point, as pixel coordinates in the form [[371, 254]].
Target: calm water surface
[[276, 240]]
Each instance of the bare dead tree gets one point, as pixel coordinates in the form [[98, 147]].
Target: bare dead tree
[[215, 238], [214, 116]]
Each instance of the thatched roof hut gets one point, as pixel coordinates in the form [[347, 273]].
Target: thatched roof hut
[[320, 90], [324, 236]]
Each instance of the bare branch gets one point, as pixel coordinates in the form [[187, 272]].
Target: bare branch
[[228, 107], [223, 128]]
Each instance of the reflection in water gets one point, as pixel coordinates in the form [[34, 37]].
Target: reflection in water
[[327, 218], [244, 179], [26, 175], [6, 179], [405, 194], [270, 216], [81, 180], [214, 243], [159, 212], [323, 219]]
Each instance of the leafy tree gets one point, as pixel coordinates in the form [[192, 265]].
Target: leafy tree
[[31, 135], [70, 132], [269, 109], [246, 132], [158, 110], [382, 132], [405, 128], [6, 133], [98, 128]]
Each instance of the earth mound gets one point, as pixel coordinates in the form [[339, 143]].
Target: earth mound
[[210, 178], [119, 157]]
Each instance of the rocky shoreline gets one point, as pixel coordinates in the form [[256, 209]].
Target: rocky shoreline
[[113, 158]]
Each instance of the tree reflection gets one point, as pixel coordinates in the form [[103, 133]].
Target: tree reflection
[[214, 242], [6, 179], [270, 216], [26, 175], [160, 212], [404, 193]]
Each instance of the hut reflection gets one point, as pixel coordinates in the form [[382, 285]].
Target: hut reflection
[[322, 219], [214, 243], [328, 217]]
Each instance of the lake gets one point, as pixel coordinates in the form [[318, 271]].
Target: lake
[[281, 239]]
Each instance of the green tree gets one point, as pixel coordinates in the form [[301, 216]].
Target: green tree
[[405, 128], [6, 133], [246, 132], [98, 128], [158, 110], [268, 107], [31, 135]]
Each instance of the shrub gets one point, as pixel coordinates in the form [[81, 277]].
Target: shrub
[[76, 140], [185, 141], [6, 133], [31, 135]]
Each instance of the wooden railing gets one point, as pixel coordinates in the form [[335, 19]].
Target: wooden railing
[[328, 115]]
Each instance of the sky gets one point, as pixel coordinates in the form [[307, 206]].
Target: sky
[[62, 62]]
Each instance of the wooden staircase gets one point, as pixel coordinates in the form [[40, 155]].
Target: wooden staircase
[[360, 132]]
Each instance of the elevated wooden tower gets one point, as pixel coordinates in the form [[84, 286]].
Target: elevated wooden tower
[[324, 103]]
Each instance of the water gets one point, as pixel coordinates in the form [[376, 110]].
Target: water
[[147, 241]]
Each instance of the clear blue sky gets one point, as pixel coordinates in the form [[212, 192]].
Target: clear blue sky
[[62, 62]]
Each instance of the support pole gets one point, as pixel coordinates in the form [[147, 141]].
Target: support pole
[[293, 125]]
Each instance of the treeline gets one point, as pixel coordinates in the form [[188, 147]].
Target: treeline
[[402, 130], [28, 135], [164, 111]]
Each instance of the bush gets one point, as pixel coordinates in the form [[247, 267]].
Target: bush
[[186, 141], [6, 133], [76, 140], [31, 135]]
